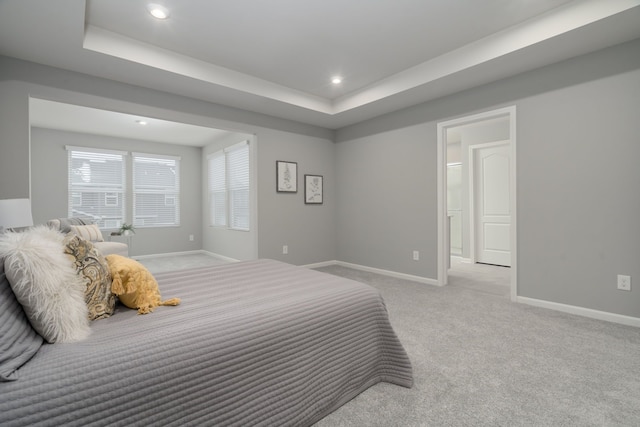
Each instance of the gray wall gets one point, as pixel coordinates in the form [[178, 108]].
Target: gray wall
[[49, 186], [283, 219], [387, 200], [14, 147], [578, 196]]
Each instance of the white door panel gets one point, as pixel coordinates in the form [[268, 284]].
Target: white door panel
[[496, 237], [492, 171], [494, 185]]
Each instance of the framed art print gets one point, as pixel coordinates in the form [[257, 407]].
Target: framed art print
[[286, 177], [313, 189]]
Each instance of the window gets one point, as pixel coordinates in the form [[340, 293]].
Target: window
[[98, 190], [156, 190], [96, 185], [229, 187]]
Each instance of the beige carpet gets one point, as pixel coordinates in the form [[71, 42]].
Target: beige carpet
[[480, 277], [480, 360]]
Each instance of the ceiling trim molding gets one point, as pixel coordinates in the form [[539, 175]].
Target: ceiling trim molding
[[544, 27], [109, 43], [554, 23]]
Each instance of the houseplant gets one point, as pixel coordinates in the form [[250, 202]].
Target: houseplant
[[127, 229]]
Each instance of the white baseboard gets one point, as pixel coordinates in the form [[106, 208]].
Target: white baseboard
[[198, 251], [565, 308], [166, 254], [321, 264], [389, 273], [222, 257], [581, 311], [571, 309]]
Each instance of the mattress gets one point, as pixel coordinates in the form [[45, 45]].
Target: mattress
[[255, 343]]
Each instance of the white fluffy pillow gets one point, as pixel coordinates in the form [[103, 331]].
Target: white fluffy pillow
[[44, 281]]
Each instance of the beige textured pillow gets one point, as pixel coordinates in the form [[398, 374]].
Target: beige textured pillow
[[88, 232], [92, 266]]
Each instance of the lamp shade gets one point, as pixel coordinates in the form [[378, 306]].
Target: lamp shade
[[15, 213]]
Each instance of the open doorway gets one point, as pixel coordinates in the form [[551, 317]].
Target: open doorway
[[476, 197]]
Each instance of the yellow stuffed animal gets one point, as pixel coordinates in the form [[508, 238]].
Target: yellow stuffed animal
[[134, 285]]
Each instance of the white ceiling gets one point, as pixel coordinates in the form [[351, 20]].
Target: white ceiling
[[55, 115], [277, 57]]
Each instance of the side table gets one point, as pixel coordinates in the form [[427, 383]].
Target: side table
[[121, 238]]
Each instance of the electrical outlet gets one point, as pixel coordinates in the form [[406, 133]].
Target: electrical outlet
[[191, 237], [624, 282], [416, 255], [285, 250]]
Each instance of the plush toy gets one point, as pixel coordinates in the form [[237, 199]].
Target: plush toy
[[134, 285]]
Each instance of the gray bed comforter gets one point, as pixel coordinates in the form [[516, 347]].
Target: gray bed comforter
[[253, 343]]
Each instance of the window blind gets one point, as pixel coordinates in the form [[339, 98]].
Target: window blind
[[238, 187], [96, 185], [229, 189], [217, 190], [156, 190]]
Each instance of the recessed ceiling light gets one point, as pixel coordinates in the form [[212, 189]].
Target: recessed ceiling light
[[141, 122], [158, 11], [336, 80]]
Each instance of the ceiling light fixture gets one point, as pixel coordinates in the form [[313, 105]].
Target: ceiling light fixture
[[141, 122], [336, 80], [158, 11]]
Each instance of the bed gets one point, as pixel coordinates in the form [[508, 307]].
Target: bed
[[254, 343]]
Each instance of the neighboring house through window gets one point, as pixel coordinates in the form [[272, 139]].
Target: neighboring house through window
[[97, 185], [156, 190]]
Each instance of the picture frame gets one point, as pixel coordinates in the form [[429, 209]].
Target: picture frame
[[313, 189], [286, 177]]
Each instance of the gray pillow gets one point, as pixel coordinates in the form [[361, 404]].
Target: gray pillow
[[18, 340], [66, 223]]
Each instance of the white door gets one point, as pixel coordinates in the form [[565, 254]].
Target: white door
[[491, 175]]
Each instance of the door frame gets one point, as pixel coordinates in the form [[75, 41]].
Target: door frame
[[449, 217], [443, 220], [472, 192]]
